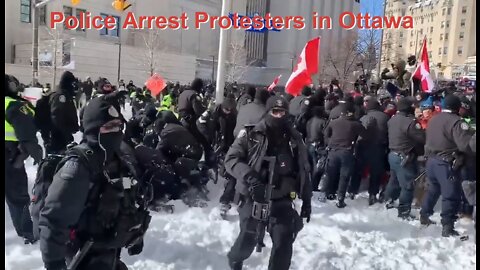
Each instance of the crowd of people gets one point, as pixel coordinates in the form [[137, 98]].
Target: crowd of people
[[94, 198]]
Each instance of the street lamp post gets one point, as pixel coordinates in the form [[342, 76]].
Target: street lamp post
[[119, 60], [381, 41], [222, 55]]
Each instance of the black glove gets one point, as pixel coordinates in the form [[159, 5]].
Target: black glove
[[56, 265], [34, 150], [136, 249], [306, 211], [108, 207]]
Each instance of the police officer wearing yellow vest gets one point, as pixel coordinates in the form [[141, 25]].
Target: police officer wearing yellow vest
[[20, 142]]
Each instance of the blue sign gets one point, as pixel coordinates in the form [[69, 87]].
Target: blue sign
[[252, 29]]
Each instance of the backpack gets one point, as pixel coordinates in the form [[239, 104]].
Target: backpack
[[47, 169], [42, 117]]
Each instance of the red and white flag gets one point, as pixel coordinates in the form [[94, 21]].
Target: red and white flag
[[274, 83], [423, 70], [307, 66]]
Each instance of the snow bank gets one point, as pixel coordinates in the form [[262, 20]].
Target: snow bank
[[354, 238]]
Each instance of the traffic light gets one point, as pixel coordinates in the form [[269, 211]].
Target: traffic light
[[75, 2], [120, 5]]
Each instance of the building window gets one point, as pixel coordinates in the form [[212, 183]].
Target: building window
[[411, 43], [114, 32], [439, 51], [43, 15], [411, 33], [78, 13], [443, 25], [461, 35], [462, 23], [403, 12], [421, 31], [464, 10], [430, 41], [421, 20], [68, 11], [449, 10], [447, 24], [401, 34], [441, 36], [25, 11], [446, 36], [444, 11], [430, 54], [460, 50], [431, 29], [445, 49]]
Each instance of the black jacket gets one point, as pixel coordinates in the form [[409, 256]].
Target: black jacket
[[176, 141], [248, 151], [63, 112], [315, 127], [69, 198], [375, 122], [190, 104], [218, 127]]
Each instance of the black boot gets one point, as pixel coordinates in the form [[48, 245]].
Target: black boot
[[351, 196], [235, 265], [424, 220], [406, 215], [448, 230], [341, 203], [372, 199]]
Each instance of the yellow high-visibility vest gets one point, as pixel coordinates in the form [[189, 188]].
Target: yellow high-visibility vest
[[9, 130]]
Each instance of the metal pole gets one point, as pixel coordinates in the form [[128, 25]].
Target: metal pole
[[416, 46], [35, 22], [119, 57], [381, 41], [222, 55]]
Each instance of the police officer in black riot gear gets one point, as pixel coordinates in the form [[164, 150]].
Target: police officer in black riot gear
[[244, 160], [300, 104], [135, 129], [406, 141], [20, 143], [218, 125], [95, 203], [447, 142], [63, 113], [372, 149], [315, 143], [341, 135], [190, 108]]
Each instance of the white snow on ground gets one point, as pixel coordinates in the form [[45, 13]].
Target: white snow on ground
[[354, 238]]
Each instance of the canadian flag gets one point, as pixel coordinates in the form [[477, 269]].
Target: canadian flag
[[307, 66], [423, 70], [274, 83]]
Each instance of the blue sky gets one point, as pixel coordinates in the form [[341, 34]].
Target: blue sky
[[374, 7]]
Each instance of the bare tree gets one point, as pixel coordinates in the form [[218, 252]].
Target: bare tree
[[340, 62], [53, 44], [238, 62], [369, 48], [154, 47]]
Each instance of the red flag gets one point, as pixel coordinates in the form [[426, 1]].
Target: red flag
[[155, 84], [274, 83], [423, 70], [307, 66]]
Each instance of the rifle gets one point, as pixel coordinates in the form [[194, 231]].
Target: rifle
[[261, 211], [80, 255]]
